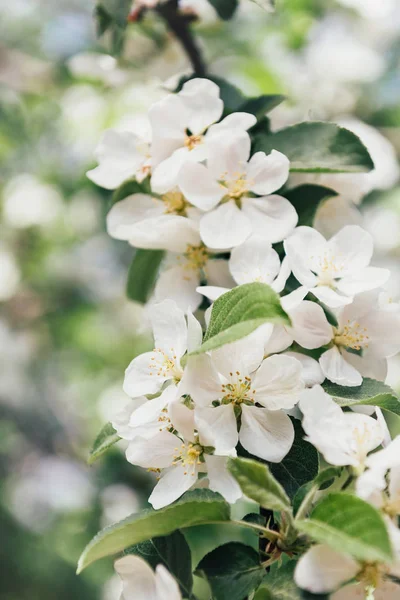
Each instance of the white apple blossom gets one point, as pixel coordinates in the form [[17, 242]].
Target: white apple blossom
[[165, 223], [365, 337], [235, 380], [225, 189], [140, 582], [335, 270], [181, 459], [344, 438], [173, 336], [121, 155], [182, 125]]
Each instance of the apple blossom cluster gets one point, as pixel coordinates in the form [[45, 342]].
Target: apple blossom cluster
[[219, 211]]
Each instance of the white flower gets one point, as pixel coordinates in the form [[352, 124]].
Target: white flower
[[224, 188], [236, 380], [140, 582], [323, 570], [344, 438], [121, 155], [149, 372], [380, 483], [182, 459], [166, 223], [335, 270], [365, 337], [182, 124], [181, 281]]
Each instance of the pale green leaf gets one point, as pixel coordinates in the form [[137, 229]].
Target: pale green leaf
[[194, 508], [106, 438], [369, 393], [349, 525], [257, 483], [240, 311], [314, 146], [232, 570], [143, 273]]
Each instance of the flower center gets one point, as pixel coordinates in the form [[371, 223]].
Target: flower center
[[371, 576], [192, 141], [326, 267], [353, 335], [362, 439], [164, 365], [238, 390], [235, 187], [175, 203], [196, 257], [188, 456]]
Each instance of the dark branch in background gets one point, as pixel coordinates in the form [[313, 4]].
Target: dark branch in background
[[178, 23]]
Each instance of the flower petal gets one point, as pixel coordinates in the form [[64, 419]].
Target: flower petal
[[353, 247], [175, 482], [330, 297], [267, 173], [124, 215], [335, 368], [169, 328], [303, 249], [199, 186], [165, 175], [228, 155], [225, 227], [212, 292], [195, 333], [310, 327], [271, 216], [137, 577], [157, 452], [141, 377], [151, 410], [321, 569], [254, 260], [179, 284], [202, 102], [217, 428], [278, 382], [182, 418], [200, 380], [168, 119], [243, 355], [311, 372], [167, 588], [221, 480], [234, 122], [217, 273], [266, 434]]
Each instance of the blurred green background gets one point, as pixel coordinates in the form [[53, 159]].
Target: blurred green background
[[66, 330]]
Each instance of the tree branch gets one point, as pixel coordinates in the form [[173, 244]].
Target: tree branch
[[179, 25]]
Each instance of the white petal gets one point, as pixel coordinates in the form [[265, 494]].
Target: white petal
[[200, 380], [271, 216], [217, 273], [121, 420], [321, 569], [168, 119], [166, 232], [279, 340], [157, 452], [202, 102], [267, 173], [234, 122], [167, 588], [352, 248], [243, 355], [267, 434], [199, 186], [310, 327], [141, 377], [228, 155], [337, 369], [294, 299], [137, 577], [221, 480], [283, 275], [119, 157], [383, 328], [303, 249], [195, 333], [311, 372], [110, 176], [217, 428], [179, 284], [151, 410], [254, 260], [316, 404], [363, 280], [165, 175], [169, 328], [225, 227], [171, 486], [330, 297], [387, 590], [212, 292], [278, 382], [182, 418], [368, 366], [124, 215]]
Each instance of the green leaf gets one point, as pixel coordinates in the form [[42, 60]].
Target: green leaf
[[257, 483], [143, 273], [225, 8], [370, 393], [232, 570], [299, 466], [279, 584], [262, 105], [268, 5], [173, 552], [306, 199], [194, 508], [323, 480], [239, 312], [314, 146], [106, 438], [349, 525]]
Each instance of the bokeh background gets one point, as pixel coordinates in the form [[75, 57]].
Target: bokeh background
[[66, 330]]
